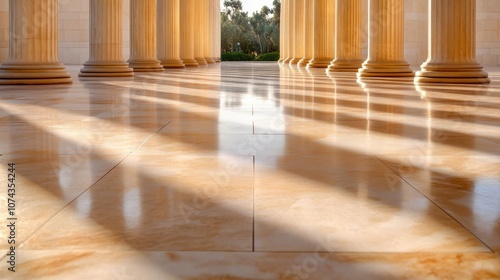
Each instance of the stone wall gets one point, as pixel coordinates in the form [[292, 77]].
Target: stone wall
[[74, 30]]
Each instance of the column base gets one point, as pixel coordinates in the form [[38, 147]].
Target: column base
[[190, 62], [176, 63], [146, 66], [345, 66], [303, 62], [217, 60], [452, 74], [201, 61], [25, 74], [319, 63], [287, 60], [91, 69], [295, 61], [385, 70], [210, 60]]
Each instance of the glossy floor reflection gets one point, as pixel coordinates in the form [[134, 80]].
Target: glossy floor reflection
[[253, 171]]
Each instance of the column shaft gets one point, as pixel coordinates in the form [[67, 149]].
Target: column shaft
[[143, 36], [324, 34], [218, 45], [208, 32], [308, 32], [386, 41], [291, 31], [187, 33], [199, 31], [285, 20], [298, 50], [452, 44], [33, 53], [348, 32], [169, 52], [106, 41]]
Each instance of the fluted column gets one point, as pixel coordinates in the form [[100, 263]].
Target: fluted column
[[198, 31], [291, 31], [386, 41], [218, 32], [285, 20], [33, 54], [208, 33], [452, 44], [324, 34], [308, 32], [298, 50], [347, 37], [143, 36], [169, 52], [106, 41], [187, 33]]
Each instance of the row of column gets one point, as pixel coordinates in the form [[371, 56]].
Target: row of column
[[328, 34], [163, 34]]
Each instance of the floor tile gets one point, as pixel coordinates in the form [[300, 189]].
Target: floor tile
[[160, 202], [346, 202]]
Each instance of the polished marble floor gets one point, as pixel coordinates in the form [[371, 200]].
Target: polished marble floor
[[252, 171]]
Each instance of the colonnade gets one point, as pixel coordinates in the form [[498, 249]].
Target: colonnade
[[179, 33], [328, 34], [163, 34]]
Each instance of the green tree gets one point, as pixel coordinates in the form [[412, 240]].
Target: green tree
[[256, 34]]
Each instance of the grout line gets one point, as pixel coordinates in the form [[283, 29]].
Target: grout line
[[438, 206], [90, 187]]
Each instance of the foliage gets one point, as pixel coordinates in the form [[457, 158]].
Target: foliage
[[256, 34], [236, 56], [272, 56]]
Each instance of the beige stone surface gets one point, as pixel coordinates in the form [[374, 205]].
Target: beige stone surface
[[308, 33], [74, 23], [299, 27], [187, 26]]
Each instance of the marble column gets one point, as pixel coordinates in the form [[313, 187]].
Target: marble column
[[348, 32], [169, 52], [291, 31], [285, 20], [143, 36], [386, 41], [298, 51], [324, 34], [106, 41], [208, 33], [452, 44], [308, 33], [33, 54], [187, 32], [199, 32], [218, 45]]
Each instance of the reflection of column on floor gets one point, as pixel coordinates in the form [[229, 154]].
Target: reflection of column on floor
[[386, 41], [169, 51], [187, 33], [198, 32], [33, 46], [324, 34], [347, 37], [207, 32], [143, 36], [106, 56], [298, 50], [308, 33], [452, 45]]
